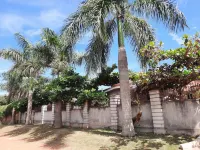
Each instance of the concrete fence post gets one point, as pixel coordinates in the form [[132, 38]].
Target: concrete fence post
[[85, 115], [68, 115], [42, 113], [114, 101], [53, 113], [157, 112]]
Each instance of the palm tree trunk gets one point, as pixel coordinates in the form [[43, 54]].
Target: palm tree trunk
[[127, 126], [29, 108], [13, 116], [58, 114]]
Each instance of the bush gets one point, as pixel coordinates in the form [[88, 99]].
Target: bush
[[20, 105], [5, 110], [95, 98]]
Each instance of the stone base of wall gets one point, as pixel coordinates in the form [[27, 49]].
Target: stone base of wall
[[159, 131], [143, 130], [190, 132]]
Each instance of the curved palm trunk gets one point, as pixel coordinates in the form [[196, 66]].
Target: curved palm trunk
[[58, 114], [29, 108], [127, 127]]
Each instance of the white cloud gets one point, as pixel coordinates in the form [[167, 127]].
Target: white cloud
[[52, 18], [194, 27], [32, 32], [31, 25], [176, 38], [42, 3], [12, 23]]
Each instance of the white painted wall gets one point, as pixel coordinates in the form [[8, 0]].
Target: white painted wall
[[99, 117], [182, 117], [76, 118], [38, 117], [179, 117]]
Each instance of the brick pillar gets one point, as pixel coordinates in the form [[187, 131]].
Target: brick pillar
[[157, 112], [53, 113], [85, 115], [114, 101], [68, 115]]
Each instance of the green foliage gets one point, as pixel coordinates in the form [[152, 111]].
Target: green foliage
[[67, 86], [184, 68], [107, 77], [2, 111], [3, 100], [95, 98], [20, 105]]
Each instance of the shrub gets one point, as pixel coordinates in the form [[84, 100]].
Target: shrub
[[95, 98]]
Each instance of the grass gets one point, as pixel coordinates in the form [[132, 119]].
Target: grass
[[79, 139]]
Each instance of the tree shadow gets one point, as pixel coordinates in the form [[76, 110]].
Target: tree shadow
[[147, 141], [104, 132], [177, 139], [55, 137], [19, 131]]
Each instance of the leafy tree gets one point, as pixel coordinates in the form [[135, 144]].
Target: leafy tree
[[183, 69], [106, 17], [107, 77], [62, 89]]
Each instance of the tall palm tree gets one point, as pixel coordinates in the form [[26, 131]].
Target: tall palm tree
[[27, 63], [61, 60], [106, 17]]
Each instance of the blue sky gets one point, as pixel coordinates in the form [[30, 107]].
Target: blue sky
[[28, 17]]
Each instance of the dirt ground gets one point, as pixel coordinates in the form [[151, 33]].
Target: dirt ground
[[44, 137]]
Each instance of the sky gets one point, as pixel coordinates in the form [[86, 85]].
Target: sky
[[29, 17]]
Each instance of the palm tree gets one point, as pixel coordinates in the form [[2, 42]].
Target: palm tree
[[27, 63], [104, 18], [61, 60]]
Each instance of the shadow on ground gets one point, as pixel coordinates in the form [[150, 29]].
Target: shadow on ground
[[19, 130], [56, 138], [145, 141], [53, 138]]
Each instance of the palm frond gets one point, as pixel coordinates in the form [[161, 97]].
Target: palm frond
[[43, 53], [22, 42], [98, 50], [50, 37], [12, 54], [89, 16], [162, 10], [139, 33]]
